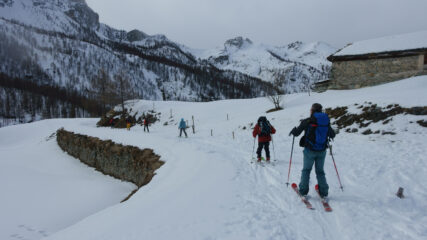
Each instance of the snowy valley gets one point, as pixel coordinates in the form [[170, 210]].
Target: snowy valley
[[69, 168], [209, 189]]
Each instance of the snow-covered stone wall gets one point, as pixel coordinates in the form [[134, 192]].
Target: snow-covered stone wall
[[127, 163], [369, 72]]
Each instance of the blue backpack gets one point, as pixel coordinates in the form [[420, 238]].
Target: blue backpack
[[316, 135]]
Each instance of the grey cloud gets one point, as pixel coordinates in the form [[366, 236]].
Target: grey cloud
[[208, 23]]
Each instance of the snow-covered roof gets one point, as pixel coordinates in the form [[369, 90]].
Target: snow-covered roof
[[396, 43]]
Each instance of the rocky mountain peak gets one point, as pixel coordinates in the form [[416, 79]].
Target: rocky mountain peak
[[4, 3], [83, 14], [295, 45], [237, 42], [135, 35], [67, 16]]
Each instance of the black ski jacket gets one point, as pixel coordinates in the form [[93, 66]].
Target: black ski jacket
[[305, 123]]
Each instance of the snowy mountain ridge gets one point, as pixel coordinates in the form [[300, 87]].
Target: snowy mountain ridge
[[70, 17], [75, 18], [293, 67], [63, 45]]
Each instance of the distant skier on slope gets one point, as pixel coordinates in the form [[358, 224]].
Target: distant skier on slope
[[182, 126], [263, 130], [146, 124], [315, 141]]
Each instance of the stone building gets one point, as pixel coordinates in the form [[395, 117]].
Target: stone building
[[377, 61]]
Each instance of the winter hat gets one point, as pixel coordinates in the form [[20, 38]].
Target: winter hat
[[316, 107]]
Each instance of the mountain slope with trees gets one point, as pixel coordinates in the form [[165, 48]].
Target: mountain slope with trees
[[61, 45]]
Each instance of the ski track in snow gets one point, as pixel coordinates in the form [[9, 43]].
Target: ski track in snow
[[267, 209], [209, 189]]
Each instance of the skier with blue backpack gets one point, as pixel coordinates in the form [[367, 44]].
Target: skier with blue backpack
[[263, 130], [318, 131], [182, 126]]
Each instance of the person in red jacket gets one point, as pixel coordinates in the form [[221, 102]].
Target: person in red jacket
[[146, 125], [263, 130]]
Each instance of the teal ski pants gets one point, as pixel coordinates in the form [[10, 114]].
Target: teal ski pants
[[318, 159]]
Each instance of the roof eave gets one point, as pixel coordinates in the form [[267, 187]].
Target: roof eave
[[389, 54]]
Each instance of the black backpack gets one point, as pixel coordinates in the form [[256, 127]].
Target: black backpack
[[264, 126]]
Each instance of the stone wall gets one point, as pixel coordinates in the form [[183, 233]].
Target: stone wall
[[127, 163], [362, 73]]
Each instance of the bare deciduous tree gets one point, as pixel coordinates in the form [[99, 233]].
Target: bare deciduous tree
[[124, 89], [307, 85], [277, 101], [104, 90]]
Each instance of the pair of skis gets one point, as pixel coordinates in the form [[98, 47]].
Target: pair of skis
[[263, 162], [307, 203]]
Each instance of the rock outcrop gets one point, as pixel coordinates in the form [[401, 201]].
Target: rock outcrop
[[127, 163], [370, 113]]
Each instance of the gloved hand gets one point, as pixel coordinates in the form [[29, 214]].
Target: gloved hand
[[292, 131]]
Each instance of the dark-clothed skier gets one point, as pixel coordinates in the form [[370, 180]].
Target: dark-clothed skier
[[317, 131], [146, 125], [263, 130], [182, 126]]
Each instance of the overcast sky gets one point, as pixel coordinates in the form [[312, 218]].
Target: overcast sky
[[208, 23]]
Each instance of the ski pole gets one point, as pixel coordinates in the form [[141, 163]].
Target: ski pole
[[290, 160], [253, 149], [339, 180], [274, 152]]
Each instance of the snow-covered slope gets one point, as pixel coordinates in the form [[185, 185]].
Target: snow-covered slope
[[43, 190], [68, 17], [208, 189], [292, 67], [63, 43]]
